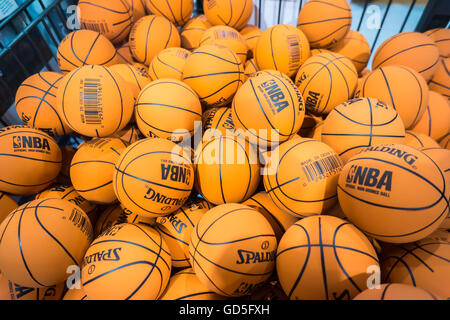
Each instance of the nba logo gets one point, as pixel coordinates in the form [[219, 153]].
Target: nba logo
[[17, 142]]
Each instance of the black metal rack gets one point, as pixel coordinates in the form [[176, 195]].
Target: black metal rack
[[30, 36]]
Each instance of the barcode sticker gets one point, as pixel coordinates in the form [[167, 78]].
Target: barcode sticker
[[322, 168], [211, 3], [80, 221], [294, 52], [225, 34], [96, 26], [92, 98]]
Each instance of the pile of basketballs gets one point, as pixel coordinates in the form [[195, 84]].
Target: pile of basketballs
[[216, 160]]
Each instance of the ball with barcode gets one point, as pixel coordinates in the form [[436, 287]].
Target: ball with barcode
[[323, 88], [168, 63], [215, 73], [150, 35], [193, 31], [228, 37], [95, 101], [113, 18], [36, 103], [282, 47], [360, 123], [308, 189], [41, 239], [85, 47], [268, 109], [91, 170], [233, 13], [30, 160]]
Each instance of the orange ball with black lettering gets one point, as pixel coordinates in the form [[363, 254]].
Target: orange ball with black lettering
[[177, 227], [233, 13], [404, 48], [41, 239], [325, 22], [374, 182], [215, 73], [92, 167], [150, 35], [36, 103], [228, 37], [153, 177], [14, 291], [193, 31], [232, 249], [169, 63], [113, 19], [85, 47], [326, 80], [126, 262], [217, 122], [268, 109], [30, 160], [282, 47], [95, 101]]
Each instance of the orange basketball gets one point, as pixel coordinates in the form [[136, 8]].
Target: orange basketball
[[85, 47], [40, 239], [215, 73], [355, 47], [326, 80], [130, 134], [138, 9], [150, 35], [435, 121], [13, 291], [136, 75], [424, 264], [395, 291], [169, 63], [193, 31], [169, 109], [184, 285], [217, 122], [312, 188], [360, 123], [177, 227], [177, 11], [112, 19], [30, 160], [124, 54], [419, 140], [282, 47], [400, 87], [153, 177], [233, 13], [7, 204], [404, 48], [278, 219], [441, 36], [227, 255], [228, 37], [308, 126], [441, 79], [95, 101], [250, 68], [36, 103], [218, 162], [92, 167], [126, 262], [445, 142], [268, 109], [324, 258], [374, 181], [325, 22]]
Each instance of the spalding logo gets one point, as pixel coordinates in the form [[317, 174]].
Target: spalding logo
[[30, 142], [401, 154], [246, 257], [105, 255]]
